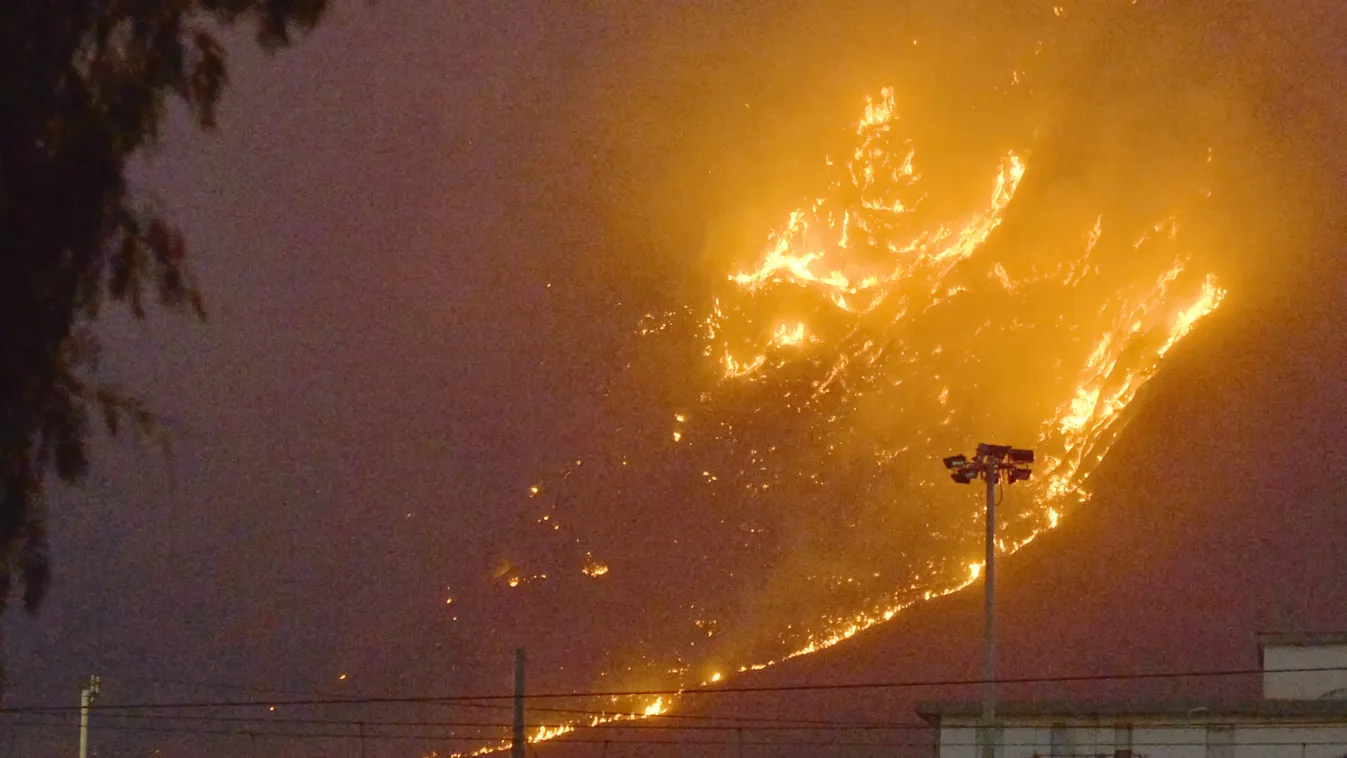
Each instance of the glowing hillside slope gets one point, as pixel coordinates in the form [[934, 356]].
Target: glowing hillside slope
[[798, 496]]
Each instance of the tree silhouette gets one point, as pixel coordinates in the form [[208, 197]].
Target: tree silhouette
[[84, 85]]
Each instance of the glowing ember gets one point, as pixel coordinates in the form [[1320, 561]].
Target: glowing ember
[[593, 567]]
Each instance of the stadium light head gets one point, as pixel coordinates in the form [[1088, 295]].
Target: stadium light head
[[999, 452], [963, 476], [955, 461], [1021, 456], [1020, 475]]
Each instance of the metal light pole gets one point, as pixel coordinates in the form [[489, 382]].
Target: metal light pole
[[989, 464], [87, 696], [989, 621]]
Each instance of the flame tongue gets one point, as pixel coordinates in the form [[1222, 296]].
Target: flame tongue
[[908, 324]]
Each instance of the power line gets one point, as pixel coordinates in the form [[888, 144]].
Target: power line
[[355, 735], [669, 741], [501, 707], [737, 721], [246, 732], [616, 725], [495, 707], [451, 699], [620, 726]]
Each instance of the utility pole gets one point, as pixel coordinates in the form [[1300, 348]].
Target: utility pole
[[87, 696], [517, 738], [989, 620], [989, 464]]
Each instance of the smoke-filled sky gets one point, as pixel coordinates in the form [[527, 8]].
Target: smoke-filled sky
[[432, 235]]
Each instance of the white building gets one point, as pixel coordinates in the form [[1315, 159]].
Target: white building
[[1303, 714]]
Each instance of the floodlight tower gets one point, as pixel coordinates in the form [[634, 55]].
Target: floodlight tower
[[990, 463]]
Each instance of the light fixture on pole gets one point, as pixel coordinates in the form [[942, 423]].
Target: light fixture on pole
[[990, 463]]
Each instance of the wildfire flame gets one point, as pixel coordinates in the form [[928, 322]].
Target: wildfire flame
[[888, 336], [546, 732], [871, 277]]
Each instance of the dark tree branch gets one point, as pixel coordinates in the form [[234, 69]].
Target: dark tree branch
[[84, 86]]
